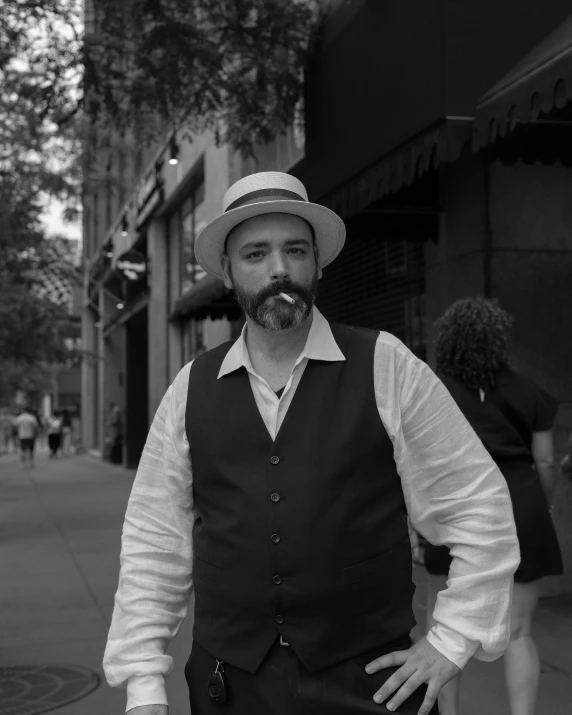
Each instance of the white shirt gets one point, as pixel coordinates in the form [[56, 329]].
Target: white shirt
[[453, 490], [27, 425]]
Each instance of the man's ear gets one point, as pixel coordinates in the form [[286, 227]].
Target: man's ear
[[225, 263], [317, 258]]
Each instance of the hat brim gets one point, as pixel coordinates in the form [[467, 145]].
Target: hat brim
[[329, 229]]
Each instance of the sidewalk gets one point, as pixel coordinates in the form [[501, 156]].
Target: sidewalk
[[60, 528]]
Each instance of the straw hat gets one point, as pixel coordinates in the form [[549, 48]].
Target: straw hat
[[263, 193]]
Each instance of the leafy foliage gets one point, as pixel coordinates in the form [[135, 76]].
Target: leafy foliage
[[235, 67], [34, 381], [32, 329], [40, 96]]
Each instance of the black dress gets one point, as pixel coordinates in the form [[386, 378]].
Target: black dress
[[505, 421]]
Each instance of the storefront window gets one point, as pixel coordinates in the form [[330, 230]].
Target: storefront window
[[192, 223]]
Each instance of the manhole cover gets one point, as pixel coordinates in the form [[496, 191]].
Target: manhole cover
[[30, 690]]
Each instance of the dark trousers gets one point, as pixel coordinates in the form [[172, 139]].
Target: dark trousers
[[54, 443], [282, 686]]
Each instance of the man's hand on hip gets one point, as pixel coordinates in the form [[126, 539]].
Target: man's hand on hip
[[422, 663], [149, 710]]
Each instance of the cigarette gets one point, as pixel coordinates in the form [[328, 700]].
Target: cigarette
[[287, 297]]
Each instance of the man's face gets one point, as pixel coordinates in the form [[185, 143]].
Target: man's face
[[268, 255]]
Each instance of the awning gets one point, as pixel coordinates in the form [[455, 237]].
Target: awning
[[206, 299], [538, 84], [443, 142]]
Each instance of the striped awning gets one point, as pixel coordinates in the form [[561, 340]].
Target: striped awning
[[208, 298], [442, 142]]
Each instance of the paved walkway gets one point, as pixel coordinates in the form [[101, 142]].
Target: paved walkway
[[60, 528]]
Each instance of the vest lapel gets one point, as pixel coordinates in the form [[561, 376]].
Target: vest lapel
[[308, 389], [242, 395]]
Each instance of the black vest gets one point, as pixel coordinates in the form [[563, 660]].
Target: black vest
[[305, 536]]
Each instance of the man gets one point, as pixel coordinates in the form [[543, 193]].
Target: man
[[28, 429], [276, 481]]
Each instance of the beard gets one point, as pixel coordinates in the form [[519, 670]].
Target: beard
[[274, 313]]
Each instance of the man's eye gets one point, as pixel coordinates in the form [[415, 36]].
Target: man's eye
[[296, 250], [255, 254]]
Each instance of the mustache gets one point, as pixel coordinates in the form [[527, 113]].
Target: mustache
[[283, 286]]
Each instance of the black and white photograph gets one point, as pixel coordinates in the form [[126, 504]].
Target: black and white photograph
[[285, 357]]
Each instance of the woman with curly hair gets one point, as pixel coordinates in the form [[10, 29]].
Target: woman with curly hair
[[513, 418]]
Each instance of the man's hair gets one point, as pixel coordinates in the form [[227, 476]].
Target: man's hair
[[472, 342]]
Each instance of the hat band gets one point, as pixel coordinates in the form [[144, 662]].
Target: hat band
[[278, 194]]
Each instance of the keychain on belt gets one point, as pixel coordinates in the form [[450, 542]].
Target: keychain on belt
[[216, 685]]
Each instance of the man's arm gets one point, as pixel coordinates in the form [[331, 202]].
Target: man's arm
[[155, 580], [456, 496]]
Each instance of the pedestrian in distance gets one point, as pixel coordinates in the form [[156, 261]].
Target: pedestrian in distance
[[514, 418], [15, 441], [66, 433], [40, 442], [276, 481], [55, 426], [28, 430]]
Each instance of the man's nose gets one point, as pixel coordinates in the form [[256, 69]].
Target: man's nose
[[279, 267]]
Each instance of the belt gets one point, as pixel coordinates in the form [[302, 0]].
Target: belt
[[282, 641]]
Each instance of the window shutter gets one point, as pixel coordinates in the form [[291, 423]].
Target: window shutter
[[378, 284]]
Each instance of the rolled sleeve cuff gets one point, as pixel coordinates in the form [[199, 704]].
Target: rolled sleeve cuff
[[145, 690], [454, 646]]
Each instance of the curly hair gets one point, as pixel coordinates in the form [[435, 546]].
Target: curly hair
[[471, 342]]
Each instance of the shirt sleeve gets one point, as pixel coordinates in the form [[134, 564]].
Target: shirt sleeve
[[155, 579], [455, 495]]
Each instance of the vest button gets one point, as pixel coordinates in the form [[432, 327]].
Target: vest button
[[279, 619], [274, 460], [275, 538], [275, 497], [277, 580]]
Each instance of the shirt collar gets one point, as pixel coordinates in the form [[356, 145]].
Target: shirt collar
[[320, 345]]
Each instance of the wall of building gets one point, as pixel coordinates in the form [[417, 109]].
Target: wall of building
[[531, 219], [484, 40], [377, 80], [158, 315], [164, 246], [454, 265]]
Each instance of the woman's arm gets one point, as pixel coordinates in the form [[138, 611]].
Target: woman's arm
[[566, 463], [543, 454]]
